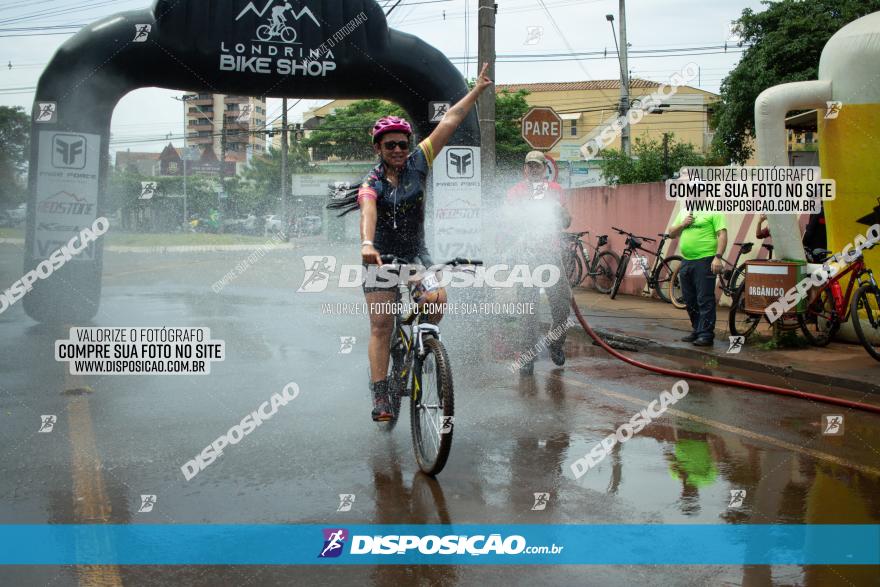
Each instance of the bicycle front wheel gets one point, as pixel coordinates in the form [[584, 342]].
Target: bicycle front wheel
[[663, 276], [432, 408], [574, 268], [739, 321], [605, 266], [288, 34], [675, 294], [621, 273], [866, 302]]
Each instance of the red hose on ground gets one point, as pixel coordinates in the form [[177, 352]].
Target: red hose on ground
[[722, 380]]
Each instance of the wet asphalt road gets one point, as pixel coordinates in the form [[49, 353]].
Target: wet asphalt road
[[514, 436]]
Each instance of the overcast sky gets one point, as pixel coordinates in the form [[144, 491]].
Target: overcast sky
[[149, 115]]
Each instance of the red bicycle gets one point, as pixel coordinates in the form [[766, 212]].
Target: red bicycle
[[828, 308]]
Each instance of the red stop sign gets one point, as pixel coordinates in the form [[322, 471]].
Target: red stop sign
[[541, 128]]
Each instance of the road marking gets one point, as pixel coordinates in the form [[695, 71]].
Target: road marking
[[816, 454], [90, 501]]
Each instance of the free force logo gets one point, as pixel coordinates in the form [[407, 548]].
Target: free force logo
[[460, 163], [69, 151], [334, 541]]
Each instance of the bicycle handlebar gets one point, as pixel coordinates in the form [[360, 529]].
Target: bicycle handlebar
[[644, 238], [395, 260]]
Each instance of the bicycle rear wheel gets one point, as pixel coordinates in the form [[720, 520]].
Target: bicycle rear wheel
[[432, 408], [605, 266], [620, 274], [867, 301], [396, 375], [738, 279], [820, 322]]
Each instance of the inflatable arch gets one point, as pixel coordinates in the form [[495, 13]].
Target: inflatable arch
[[326, 49]]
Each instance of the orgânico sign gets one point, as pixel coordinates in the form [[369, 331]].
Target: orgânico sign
[[541, 128]]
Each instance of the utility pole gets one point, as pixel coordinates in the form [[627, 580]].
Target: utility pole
[[486, 102], [184, 99], [222, 193], [284, 160], [624, 80], [183, 162], [666, 154]]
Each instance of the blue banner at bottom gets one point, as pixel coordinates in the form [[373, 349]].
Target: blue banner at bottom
[[493, 544]]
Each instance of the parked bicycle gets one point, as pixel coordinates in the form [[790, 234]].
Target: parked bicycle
[[419, 368], [658, 276], [829, 306], [729, 280], [578, 265]]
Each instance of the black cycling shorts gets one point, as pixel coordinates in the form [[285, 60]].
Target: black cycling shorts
[[423, 259]]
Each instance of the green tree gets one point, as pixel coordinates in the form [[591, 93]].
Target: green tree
[[124, 189], [346, 132], [15, 127], [510, 148], [786, 41], [648, 162], [259, 189]]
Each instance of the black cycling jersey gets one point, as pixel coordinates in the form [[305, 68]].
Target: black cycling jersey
[[400, 218]]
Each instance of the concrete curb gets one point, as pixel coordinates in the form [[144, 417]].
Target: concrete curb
[[617, 340], [178, 248], [199, 248]]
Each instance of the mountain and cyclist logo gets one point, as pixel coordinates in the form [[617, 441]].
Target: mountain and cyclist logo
[[334, 542], [279, 18]]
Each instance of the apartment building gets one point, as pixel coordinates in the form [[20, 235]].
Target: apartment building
[[242, 118]]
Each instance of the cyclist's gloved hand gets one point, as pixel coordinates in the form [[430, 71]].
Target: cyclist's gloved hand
[[370, 255]]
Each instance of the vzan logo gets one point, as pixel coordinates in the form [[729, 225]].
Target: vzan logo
[[460, 163], [69, 151]]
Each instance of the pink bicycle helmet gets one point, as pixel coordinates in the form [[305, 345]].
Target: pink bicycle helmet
[[388, 124]]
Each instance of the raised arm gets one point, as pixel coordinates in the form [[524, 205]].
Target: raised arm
[[455, 115]]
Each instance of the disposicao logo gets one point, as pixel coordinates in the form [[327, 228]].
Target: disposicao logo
[[334, 541]]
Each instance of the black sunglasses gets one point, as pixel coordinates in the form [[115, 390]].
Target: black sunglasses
[[389, 145]]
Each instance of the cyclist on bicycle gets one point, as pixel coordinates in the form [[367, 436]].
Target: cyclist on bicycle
[[538, 199], [392, 204], [278, 18]]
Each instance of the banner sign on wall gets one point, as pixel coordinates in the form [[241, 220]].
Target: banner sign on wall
[[67, 190], [457, 203]]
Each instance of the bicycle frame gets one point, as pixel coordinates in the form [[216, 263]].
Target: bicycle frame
[[591, 266], [411, 329], [841, 306], [658, 257], [724, 280]]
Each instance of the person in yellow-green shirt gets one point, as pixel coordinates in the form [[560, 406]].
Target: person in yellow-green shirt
[[703, 242]]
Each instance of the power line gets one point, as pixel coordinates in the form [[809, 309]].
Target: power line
[[387, 14]]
